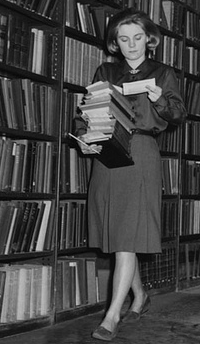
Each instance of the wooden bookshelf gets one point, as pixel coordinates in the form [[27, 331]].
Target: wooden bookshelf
[[65, 172]]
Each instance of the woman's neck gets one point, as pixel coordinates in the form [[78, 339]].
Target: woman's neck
[[134, 64]]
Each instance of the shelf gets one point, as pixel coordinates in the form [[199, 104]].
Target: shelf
[[15, 257], [22, 73], [7, 195], [30, 14], [191, 157], [83, 37], [193, 118], [79, 311], [74, 88], [24, 326], [169, 154], [14, 133], [192, 238]]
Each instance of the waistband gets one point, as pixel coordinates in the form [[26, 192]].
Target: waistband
[[143, 132]]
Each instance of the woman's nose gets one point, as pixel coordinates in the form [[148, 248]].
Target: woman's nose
[[132, 43]]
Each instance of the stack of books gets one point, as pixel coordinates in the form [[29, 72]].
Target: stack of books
[[110, 121]]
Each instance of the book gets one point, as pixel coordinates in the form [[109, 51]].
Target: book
[[113, 110], [92, 280], [18, 152], [3, 36], [105, 105], [6, 215], [44, 226], [7, 165], [139, 86]]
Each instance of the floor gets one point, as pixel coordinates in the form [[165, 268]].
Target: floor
[[173, 318]]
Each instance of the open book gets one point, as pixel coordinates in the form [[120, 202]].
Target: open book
[[127, 88], [137, 87]]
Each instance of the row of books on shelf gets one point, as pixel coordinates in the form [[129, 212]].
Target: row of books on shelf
[[169, 218], [24, 292], [75, 171], [190, 210], [26, 226], [30, 48], [27, 166], [79, 282], [168, 140], [159, 270], [168, 14], [28, 106], [172, 16], [72, 227], [81, 61], [71, 101], [191, 138], [189, 261], [193, 4], [169, 51], [192, 26], [191, 96], [88, 18], [45, 7], [170, 172], [191, 60], [191, 177]]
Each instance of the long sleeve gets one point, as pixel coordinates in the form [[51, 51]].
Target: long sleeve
[[170, 106]]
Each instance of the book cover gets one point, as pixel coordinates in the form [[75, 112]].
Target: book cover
[[6, 176], [18, 152], [6, 215], [33, 243], [43, 227], [30, 227], [91, 278], [3, 36], [23, 226]]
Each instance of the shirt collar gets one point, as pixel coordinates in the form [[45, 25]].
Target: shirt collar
[[143, 67]]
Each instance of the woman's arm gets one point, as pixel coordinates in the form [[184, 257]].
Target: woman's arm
[[170, 105]]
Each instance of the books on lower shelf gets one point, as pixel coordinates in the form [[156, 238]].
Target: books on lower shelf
[[80, 282], [26, 226], [159, 270], [24, 292], [27, 166], [72, 228], [110, 121], [27, 105]]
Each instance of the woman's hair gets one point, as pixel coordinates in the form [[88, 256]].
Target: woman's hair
[[131, 16]]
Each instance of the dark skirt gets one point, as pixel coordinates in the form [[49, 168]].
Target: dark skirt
[[124, 204]]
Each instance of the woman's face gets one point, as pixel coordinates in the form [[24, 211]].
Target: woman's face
[[132, 40]]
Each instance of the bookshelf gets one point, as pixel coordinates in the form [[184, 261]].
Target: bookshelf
[[189, 230], [44, 178], [179, 47]]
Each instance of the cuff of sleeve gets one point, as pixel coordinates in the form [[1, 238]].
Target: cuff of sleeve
[[161, 102]]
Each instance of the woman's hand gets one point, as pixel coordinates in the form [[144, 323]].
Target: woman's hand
[[89, 149], [154, 93]]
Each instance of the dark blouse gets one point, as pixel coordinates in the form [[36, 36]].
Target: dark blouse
[[148, 115]]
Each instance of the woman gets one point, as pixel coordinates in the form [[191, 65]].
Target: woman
[[124, 203]]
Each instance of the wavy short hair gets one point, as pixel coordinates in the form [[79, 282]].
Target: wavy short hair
[[131, 16]]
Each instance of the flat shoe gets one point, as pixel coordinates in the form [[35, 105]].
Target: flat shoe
[[132, 316], [103, 334]]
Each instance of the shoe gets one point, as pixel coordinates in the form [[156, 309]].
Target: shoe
[[103, 334], [132, 316]]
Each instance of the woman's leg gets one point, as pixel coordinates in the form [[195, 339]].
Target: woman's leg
[[138, 290], [124, 276]]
